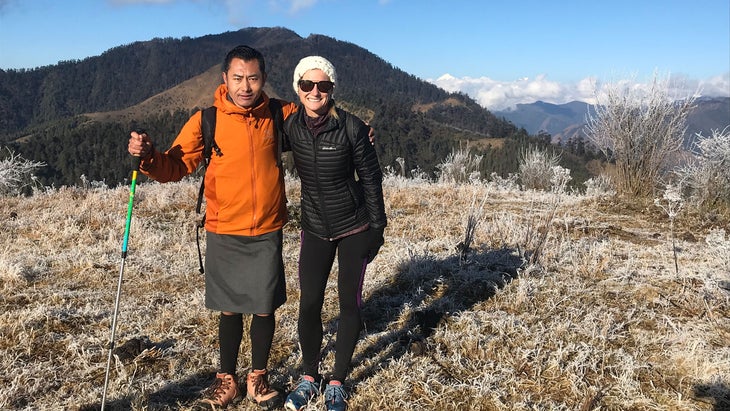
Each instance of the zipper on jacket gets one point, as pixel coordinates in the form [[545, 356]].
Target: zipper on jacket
[[254, 216], [322, 205]]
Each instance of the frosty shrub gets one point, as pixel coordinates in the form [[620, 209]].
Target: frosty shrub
[[600, 186], [536, 168], [639, 129], [542, 212], [17, 173], [393, 177], [397, 176], [402, 163], [417, 174], [94, 184], [389, 172], [707, 176], [559, 179], [504, 184], [459, 167], [672, 203]]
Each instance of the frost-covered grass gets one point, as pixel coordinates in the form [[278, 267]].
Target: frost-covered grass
[[602, 322]]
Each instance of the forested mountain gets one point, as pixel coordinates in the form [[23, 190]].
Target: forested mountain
[[52, 113]]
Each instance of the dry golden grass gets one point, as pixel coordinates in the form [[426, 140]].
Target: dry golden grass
[[601, 321]]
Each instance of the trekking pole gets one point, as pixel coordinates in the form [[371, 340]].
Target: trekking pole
[[133, 185]]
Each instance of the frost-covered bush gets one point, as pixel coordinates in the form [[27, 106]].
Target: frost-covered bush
[[707, 176], [559, 179], [17, 173], [639, 129], [504, 184], [459, 167], [600, 186], [537, 169]]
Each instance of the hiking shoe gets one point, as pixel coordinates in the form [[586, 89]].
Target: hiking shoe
[[223, 392], [305, 391], [259, 390], [334, 397]]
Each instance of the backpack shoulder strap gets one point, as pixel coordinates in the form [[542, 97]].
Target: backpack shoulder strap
[[277, 114], [207, 127], [350, 127]]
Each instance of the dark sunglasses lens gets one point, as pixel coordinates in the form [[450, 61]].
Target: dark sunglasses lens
[[325, 86], [306, 85]]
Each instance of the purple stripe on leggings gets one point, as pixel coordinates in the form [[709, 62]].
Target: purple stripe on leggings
[[299, 263], [362, 279]]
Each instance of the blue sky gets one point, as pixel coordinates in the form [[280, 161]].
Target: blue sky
[[498, 52]]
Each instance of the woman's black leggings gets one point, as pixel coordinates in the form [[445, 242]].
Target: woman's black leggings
[[315, 262]]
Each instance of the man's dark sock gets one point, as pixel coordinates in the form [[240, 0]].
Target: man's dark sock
[[230, 333], [262, 334]]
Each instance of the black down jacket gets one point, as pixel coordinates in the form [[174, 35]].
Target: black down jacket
[[340, 175]]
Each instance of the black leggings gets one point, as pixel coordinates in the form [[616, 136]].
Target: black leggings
[[315, 262]]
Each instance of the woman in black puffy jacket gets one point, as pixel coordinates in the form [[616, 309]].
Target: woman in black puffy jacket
[[343, 214]]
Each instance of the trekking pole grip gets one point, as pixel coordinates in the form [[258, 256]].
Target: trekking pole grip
[[136, 160]]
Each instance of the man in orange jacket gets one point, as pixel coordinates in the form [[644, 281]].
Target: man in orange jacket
[[245, 214]]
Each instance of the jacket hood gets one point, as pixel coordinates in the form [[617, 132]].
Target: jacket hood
[[228, 107]]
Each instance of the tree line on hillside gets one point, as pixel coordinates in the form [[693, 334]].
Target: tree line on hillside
[[77, 147]]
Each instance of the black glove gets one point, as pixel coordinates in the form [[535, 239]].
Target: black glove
[[375, 241]]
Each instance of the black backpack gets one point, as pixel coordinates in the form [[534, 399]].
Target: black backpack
[[208, 129]]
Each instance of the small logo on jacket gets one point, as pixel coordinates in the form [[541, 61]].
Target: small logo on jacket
[[328, 148]]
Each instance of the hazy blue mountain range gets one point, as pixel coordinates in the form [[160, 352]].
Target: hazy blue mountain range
[[563, 121]]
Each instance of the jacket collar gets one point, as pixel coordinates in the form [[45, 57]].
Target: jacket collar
[[224, 104]]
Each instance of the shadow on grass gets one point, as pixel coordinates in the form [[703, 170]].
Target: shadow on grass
[[718, 393], [401, 315], [170, 397], [118, 404], [398, 317], [177, 394]]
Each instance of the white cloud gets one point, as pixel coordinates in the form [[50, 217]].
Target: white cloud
[[501, 95], [716, 86], [297, 5]]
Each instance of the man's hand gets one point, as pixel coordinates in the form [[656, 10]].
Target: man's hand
[[140, 145]]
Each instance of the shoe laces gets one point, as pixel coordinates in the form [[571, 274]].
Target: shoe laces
[[307, 388], [219, 388], [334, 393], [260, 383]]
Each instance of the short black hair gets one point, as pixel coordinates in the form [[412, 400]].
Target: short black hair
[[244, 53]]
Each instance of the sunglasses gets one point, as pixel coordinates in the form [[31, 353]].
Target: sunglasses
[[323, 86]]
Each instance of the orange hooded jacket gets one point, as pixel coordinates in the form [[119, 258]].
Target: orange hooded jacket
[[244, 187]]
